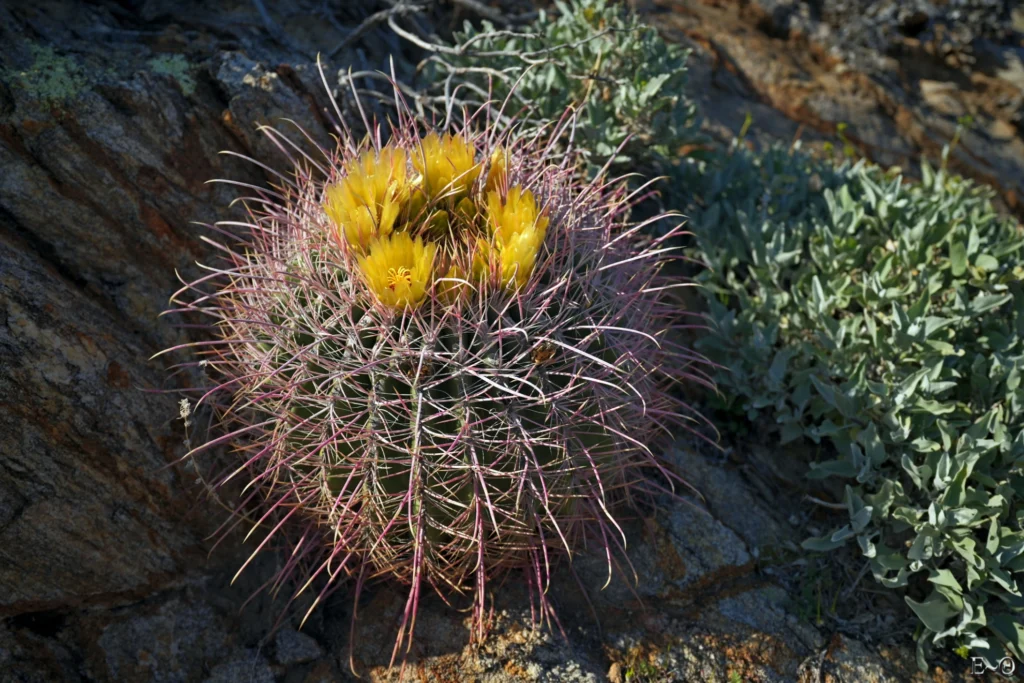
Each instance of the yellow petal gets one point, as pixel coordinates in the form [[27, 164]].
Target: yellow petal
[[369, 200], [398, 269], [447, 165], [518, 233], [496, 178]]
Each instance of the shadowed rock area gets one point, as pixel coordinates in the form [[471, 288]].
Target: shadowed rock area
[[112, 117], [802, 68]]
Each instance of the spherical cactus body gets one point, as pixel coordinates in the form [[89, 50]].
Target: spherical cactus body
[[438, 357]]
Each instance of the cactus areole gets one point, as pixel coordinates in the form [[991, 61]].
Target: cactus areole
[[436, 358]]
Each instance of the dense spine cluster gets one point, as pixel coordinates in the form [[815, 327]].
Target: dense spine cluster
[[439, 358]]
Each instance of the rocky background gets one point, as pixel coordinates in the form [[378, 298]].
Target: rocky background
[[112, 114]]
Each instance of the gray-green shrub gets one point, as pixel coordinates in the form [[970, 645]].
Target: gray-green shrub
[[884, 318], [621, 76]]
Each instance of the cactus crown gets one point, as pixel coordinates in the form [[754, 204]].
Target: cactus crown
[[439, 358], [406, 226]]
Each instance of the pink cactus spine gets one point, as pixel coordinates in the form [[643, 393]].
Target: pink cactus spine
[[443, 443]]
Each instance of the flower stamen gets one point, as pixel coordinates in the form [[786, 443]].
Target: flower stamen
[[395, 275]]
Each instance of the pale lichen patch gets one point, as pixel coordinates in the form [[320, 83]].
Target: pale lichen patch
[[51, 77], [177, 67]]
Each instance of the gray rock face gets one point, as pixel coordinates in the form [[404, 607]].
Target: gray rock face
[[246, 666], [788, 69], [92, 511], [111, 120], [108, 136], [293, 647]]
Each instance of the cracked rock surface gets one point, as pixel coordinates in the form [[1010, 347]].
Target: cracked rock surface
[[791, 69], [112, 117]]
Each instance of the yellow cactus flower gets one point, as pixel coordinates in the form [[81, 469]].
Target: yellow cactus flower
[[367, 202], [517, 213], [399, 269], [496, 174], [518, 229], [519, 256], [483, 255], [446, 165]]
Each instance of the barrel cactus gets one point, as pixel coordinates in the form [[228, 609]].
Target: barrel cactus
[[438, 356]]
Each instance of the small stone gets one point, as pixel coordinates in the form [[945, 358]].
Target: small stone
[[615, 673], [296, 648], [246, 666], [942, 96]]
